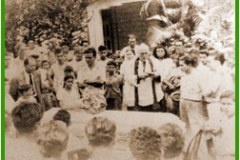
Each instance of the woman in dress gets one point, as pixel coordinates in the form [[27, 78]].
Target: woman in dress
[[68, 95]]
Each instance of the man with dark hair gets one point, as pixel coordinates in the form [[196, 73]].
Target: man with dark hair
[[28, 76], [85, 45], [102, 51], [56, 71], [132, 45], [68, 55], [94, 73], [113, 84]]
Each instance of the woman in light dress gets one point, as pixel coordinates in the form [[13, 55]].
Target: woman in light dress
[[68, 95]]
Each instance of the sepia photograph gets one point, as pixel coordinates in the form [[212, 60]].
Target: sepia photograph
[[119, 80]]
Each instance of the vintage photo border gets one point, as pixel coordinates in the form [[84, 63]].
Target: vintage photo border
[[2, 92]]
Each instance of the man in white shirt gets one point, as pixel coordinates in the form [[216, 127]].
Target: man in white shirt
[[102, 51], [94, 73], [57, 69], [78, 61], [132, 45]]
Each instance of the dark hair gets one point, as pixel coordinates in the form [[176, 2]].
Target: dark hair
[[203, 51], [220, 58], [24, 88], [155, 51], [66, 78], [131, 36], [63, 115], [68, 69], [91, 50], [26, 115], [104, 131], [26, 61], [228, 94], [112, 63], [189, 60], [101, 48], [145, 143], [58, 50], [84, 42], [65, 43], [45, 61], [35, 56]]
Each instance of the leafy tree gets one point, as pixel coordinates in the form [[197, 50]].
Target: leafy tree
[[44, 19]]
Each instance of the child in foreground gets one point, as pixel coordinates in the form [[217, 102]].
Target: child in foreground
[[27, 92]]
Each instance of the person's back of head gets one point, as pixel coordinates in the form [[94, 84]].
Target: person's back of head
[[24, 88], [26, 116], [145, 144], [64, 116], [101, 132], [172, 140], [53, 139]]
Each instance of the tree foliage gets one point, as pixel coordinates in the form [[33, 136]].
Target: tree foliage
[[44, 19]]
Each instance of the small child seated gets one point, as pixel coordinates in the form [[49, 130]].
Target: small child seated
[[27, 94], [112, 88], [145, 144]]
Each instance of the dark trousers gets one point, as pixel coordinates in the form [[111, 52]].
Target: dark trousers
[[145, 108], [130, 108], [114, 103]]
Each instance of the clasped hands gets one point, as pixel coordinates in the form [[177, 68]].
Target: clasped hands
[[152, 75]]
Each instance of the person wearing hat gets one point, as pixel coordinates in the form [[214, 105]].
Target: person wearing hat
[[66, 52], [132, 45], [145, 82]]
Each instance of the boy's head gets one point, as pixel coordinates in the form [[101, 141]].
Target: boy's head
[[172, 140], [45, 65], [227, 100], [145, 144], [26, 117], [59, 55], [102, 50], [26, 90], [111, 67], [203, 54], [101, 132], [64, 116], [53, 138], [68, 71]]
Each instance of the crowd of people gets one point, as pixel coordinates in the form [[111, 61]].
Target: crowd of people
[[189, 79]]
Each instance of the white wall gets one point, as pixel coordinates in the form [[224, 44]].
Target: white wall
[[95, 26]]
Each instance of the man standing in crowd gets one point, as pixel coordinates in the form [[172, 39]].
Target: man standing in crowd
[[147, 82], [85, 45], [66, 53], [30, 50], [102, 51], [56, 71], [132, 45], [94, 73], [28, 76]]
